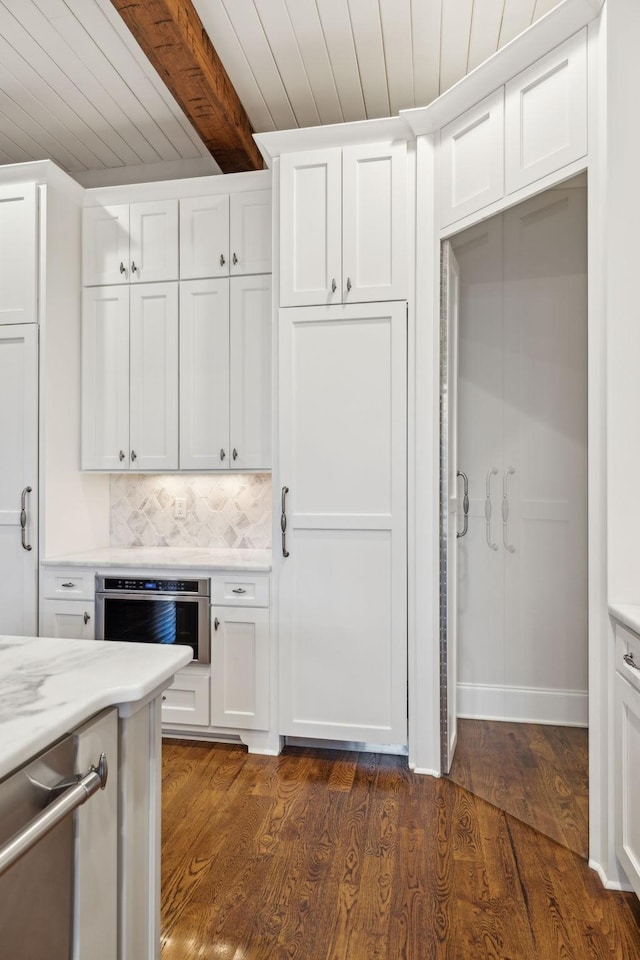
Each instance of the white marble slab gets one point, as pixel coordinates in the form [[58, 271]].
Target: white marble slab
[[627, 614], [50, 687], [167, 558]]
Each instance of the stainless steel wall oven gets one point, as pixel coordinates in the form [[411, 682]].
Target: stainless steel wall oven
[[152, 610]]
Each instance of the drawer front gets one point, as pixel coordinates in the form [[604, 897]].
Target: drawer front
[[240, 591], [628, 644], [72, 584], [186, 701]]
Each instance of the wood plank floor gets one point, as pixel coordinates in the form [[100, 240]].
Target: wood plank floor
[[536, 772], [321, 855]]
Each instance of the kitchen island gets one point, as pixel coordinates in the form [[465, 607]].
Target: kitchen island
[[52, 687]]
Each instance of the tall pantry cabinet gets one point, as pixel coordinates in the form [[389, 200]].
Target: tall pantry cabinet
[[342, 444]]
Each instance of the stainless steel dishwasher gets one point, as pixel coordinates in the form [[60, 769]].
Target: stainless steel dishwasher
[[37, 852]]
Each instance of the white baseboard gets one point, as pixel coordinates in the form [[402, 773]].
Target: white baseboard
[[566, 708], [354, 746], [623, 885]]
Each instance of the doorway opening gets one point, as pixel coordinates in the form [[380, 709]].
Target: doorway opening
[[514, 547]]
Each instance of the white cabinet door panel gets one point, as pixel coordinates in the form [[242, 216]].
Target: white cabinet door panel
[[18, 253], [250, 372], [19, 445], [153, 246], [374, 194], [186, 701], [105, 245], [471, 159], [204, 237], [154, 377], [343, 585], [311, 227], [240, 669], [67, 619], [546, 114], [204, 374], [250, 232], [627, 768], [105, 378]]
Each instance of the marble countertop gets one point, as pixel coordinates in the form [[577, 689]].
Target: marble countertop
[[50, 687], [167, 558], [627, 614]]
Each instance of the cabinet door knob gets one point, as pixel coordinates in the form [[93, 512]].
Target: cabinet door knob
[[86, 618], [334, 285], [238, 590], [134, 455], [216, 623], [628, 659], [134, 269], [348, 284], [234, 259], [235, 454], [123, 269], [68, 584], [121, 456], [222, 454], [222, 260]]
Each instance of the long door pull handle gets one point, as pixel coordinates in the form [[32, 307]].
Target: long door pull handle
[[78, 792], [488, 508], [283, 521], [505, 510], [24, 518], [465, 504]]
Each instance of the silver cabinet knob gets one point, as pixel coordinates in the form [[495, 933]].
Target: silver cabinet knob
[[222, 454], [235, 454], [86, 618], [222, 260], [216, 623], [121, 456], [234, 259], [348, 284], [123, 269], [238, 590], [68, 584], [334, 285], [134, 455], [134, 269]]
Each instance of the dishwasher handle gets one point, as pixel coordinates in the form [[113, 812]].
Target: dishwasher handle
[[77, 794]]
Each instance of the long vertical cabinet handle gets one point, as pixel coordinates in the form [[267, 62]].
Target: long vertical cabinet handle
[[23, 518], [465, 504], [488, 508], [505, 510], [283, 521]]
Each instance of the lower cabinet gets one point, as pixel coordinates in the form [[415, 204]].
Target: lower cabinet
[[627, 756], [187, 699], [240, 668], [70, 619]]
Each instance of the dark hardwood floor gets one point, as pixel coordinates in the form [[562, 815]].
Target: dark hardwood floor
[[321, 855], [536, 772]]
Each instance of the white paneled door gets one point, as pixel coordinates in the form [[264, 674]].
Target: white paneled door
[[19, 479], [343, 580], [18, 253], [250, 372]]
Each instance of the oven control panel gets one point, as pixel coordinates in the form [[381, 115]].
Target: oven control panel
[[150, 585]]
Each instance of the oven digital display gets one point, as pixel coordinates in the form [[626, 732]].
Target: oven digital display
[[151, 585]]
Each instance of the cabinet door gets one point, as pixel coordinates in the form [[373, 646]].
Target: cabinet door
[[154, 377], [153, 247], [546, 114], [343, 581], [311, 228], [18, 253], [250, 372], [250, 232], [204, 375], [105, 245], [240, 668], [67, 619], [374, 222], [186, 701], [627, 768], [105, 378], [471, 159], [204, 237]]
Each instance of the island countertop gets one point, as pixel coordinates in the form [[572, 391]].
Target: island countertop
[[168, 558], [49, 687]]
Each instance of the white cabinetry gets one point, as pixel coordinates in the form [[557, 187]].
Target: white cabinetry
[[18, 253], [627, 755], [343, 577], [186, 701], [130, 378], [67, 610], [343, 225], [225, 373], [546, 114], [224, 235], [135, 242], [240, 668]]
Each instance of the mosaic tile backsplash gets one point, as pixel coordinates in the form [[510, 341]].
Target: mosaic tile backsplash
[[222, 511]]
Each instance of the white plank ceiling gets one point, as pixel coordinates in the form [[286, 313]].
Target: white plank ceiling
[[76, 88], [300, 63]]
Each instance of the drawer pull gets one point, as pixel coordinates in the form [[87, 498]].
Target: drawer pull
[[238, 590], [216, 623], [68, 584], [628, 659], [86, 618]]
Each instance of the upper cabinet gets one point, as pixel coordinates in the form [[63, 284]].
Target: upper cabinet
[[343, 225], [18, 253], [532, 127], [223, 235], [130, 243]]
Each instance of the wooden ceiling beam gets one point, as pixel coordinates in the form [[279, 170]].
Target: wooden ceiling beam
[[171, 34]]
